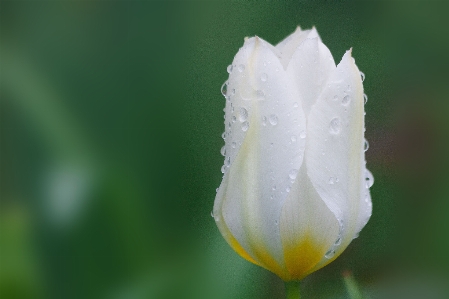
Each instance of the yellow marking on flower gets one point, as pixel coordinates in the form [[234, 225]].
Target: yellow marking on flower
[[301, 257], [239, 249]]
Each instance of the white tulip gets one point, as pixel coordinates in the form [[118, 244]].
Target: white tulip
[[295, 190]]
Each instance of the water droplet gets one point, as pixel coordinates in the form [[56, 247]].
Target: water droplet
[[264, 77], [223, 135], [363, 76], [335, 98], [212, 214], [243, 114], [223, 151], [234, 118], [331, 180], [224, 88], [336, 180], [233, 145], [366, 145], [232, 91], [241, 68], [335, 126], [273, 188], [287, 189], [216, 190], [223, 169], [345, 101], [229, 69], [293, 173], [264, 120], [365, 98], [293, 138], [228, 161], [275, 222], [245, 126], [273, 119], [260, 95], [295, 105], [369, 179], [330, 253], [338, 241], [302, 134]]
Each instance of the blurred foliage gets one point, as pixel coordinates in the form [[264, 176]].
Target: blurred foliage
[[110, 124]]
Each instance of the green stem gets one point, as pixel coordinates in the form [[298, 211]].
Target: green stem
[[292, 290]]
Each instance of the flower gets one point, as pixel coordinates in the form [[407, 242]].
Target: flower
[[295, 190]]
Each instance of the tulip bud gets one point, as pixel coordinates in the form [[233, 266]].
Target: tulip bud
[[295, 190]]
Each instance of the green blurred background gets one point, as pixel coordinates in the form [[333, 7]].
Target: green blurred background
[[110, 121]]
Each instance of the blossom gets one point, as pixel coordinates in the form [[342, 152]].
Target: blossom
[[295, 189]]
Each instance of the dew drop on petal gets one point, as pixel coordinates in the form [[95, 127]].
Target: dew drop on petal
[[273, 119], [365, 98], [224, 88], [293, 138], [228, 161], [338, 241], [241, 68], [363, 76], [245, 126], [223, 151], [264, 77], [335, 126], [260, 95], [243, 114], [264, 120], [369, 179], [234, 118], [273, 188], [335, 98], [302, 134], [295, 105], [330, 253], [331, 180], [293, 173], [233, 145], [287, 189], [366, 145], [229, 69], [345, 101], [223, 169]]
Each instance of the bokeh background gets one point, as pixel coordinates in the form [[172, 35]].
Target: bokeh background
[[111, 120]]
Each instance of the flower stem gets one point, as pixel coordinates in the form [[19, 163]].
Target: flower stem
[[292, 290]]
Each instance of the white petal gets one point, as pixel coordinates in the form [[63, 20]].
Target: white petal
[[288, 46], [271, 151], [310, 66], [334, 152], [308, 227]]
